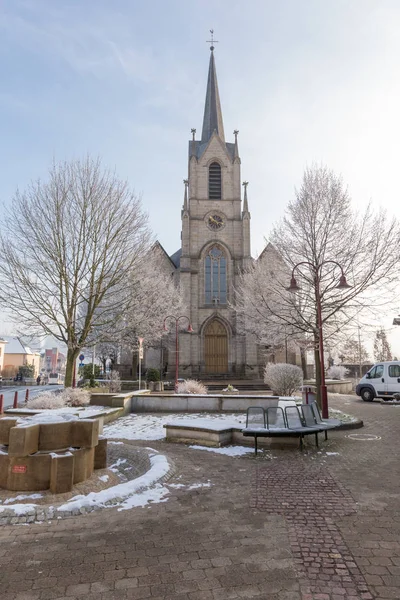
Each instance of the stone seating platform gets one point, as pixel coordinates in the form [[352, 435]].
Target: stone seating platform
[[208, 432]]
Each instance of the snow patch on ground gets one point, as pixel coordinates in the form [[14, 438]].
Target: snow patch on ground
[[150, 427], [23, 497], [227, 450], [104, 478], [155, 495], [159, 468]]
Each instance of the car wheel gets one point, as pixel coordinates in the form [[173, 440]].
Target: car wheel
[[367, 395]]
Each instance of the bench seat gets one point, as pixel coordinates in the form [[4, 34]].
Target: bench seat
[[291, 421]]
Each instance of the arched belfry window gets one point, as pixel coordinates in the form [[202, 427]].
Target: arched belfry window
[[214, 181], [215, 276]]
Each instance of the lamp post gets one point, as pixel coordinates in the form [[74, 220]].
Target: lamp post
[[189, 330], [295, 288]]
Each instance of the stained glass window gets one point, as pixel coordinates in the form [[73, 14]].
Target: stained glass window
[[215, 276]]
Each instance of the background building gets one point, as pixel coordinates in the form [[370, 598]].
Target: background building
[[16, 355]]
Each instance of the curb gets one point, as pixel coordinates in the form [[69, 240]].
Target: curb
[[352, 425]]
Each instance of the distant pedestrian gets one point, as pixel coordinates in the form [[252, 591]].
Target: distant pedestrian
[[38, 380]]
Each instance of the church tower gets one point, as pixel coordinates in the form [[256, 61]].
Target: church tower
[[215, 247]]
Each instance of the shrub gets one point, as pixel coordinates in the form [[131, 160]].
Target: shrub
[[87, 371], [153, 375], [282, 378], [76, 397], [191, 386], [46, 400], [337, 372], [115, 383]]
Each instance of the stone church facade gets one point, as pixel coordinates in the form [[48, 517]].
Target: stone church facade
[[215, 247]]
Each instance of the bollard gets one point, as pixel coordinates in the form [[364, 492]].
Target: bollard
[[15, 405], [1, 404], [27, 395]]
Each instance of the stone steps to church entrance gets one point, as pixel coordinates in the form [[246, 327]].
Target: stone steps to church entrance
[[240, 384]]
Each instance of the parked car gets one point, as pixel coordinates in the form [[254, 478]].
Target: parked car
[[382, 381]]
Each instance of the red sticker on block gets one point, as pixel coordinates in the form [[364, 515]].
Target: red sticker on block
[[19, 469]]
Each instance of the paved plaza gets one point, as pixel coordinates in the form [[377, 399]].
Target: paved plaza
[[317, 525]]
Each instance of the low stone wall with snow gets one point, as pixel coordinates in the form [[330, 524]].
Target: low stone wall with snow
[[197, 402]]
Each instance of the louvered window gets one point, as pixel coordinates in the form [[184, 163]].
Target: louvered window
[[214, 181]]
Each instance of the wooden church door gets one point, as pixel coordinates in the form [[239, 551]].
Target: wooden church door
[[216, 347]]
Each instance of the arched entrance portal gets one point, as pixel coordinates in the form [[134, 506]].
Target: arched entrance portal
[[216, 347]]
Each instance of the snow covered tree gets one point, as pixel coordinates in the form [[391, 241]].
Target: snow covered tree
[[382, 350], [153, 296], [68, 247], [320, 229], [353, 352]]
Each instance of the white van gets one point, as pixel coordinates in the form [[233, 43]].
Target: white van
[[382, 381]]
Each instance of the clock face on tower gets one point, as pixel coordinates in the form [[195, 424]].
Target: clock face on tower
[[215, 222]]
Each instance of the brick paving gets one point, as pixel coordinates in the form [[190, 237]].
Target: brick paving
[[292, 527]]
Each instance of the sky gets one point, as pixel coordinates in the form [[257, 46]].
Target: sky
[[303, 80]]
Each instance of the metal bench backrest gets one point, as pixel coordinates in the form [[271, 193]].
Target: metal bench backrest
[[308, 415], [315, 410], [275, 418], [293, 417], [255, 417]]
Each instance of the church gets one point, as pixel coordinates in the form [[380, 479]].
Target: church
[[215, 248]]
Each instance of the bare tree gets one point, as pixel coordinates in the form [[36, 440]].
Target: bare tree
[[382, 349], [353, 352], [319, 230], [68, 247]]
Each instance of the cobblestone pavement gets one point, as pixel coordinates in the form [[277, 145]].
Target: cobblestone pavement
[[317, 525]]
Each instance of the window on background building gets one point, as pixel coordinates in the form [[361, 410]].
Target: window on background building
[[215, 276], [214, 181]]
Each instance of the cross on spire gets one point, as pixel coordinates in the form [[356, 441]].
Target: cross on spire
[[212, 41]]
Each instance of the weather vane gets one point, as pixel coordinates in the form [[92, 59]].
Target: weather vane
[[212, 41]]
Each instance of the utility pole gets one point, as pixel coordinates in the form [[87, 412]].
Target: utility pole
[[359, 351]]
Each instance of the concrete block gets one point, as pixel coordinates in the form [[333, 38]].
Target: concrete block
[[23, 440], [89, 461], [61, 473], [79, 464], [4, 461], [6, 423], [29, 473], [55, 436], [83, 463], [100, 454], [85, 433]]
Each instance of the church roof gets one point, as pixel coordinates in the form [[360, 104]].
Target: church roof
[[199, 148], [212, 111], [176, 258]]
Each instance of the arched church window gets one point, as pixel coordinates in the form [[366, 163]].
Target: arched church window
[[215, 276], [214, 181]]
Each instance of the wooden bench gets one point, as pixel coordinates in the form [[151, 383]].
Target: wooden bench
[[291, 421]]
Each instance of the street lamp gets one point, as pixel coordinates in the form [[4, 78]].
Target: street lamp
[[189, 330], [295, 288]]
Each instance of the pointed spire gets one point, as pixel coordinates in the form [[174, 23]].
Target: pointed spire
[[185, 198], [212, 111], [236, 154], [245, 203]]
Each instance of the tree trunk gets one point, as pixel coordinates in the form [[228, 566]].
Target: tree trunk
[[303, 358], [134, 364], [72, 355]]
